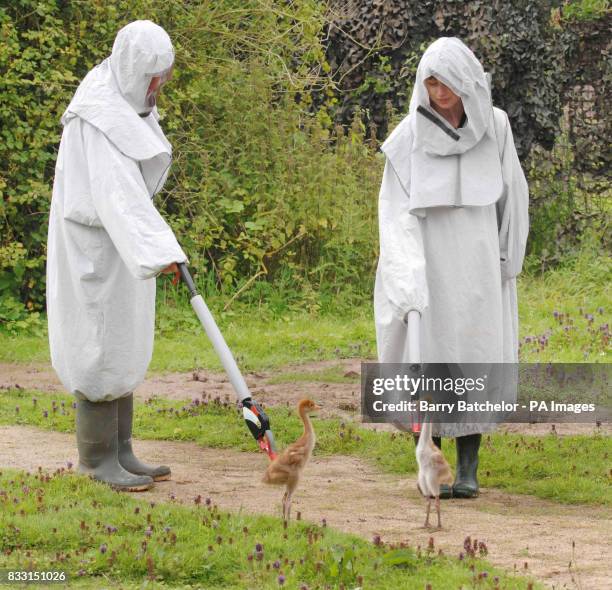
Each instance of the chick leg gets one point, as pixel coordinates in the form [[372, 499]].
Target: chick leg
[[288, 515], [427, 517], [285, 503], [438, 511]]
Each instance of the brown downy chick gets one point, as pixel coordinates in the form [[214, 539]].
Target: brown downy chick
[[434, 470], [287, 468]]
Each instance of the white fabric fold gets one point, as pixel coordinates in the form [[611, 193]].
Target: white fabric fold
[[512, 207], [404, 285]]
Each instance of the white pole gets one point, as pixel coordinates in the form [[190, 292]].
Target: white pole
[[221, 347], [413, 319], [413, 341]]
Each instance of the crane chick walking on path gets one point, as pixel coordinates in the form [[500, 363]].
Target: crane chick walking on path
[[287, 468], [434, 470]]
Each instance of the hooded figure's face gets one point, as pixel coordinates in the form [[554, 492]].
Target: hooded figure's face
[[460, 76], [441, 95], [155, 87], [141, 63]]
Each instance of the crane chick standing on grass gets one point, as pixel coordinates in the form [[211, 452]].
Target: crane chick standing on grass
[[287, 468], [434, 470]]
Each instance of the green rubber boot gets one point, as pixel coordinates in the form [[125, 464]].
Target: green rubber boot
[[445, 490], [466, 483], [96, 429], [126, 455]]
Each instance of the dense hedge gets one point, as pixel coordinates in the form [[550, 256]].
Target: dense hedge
[[264, 184], [531, 48], [256, 187]]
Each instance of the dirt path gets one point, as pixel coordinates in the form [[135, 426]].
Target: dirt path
[[517, 529], [345, 397], [338, 399]]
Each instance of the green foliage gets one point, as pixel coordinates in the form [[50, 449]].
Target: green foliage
[[564, 209], [375, 49], [66, 522], [341, 563], [260, 188], [586, 10], [15, 319], [274, 205], [33, 72]]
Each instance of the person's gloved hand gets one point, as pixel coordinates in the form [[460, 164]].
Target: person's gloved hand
[[172, 269]]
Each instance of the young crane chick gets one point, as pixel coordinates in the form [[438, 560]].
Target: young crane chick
[[287, 467], [433, 470]]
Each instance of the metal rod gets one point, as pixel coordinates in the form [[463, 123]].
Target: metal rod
[[225, 354], [214, 335]]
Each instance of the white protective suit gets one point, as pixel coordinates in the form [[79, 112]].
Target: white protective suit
[[453, 226], [107, 241]]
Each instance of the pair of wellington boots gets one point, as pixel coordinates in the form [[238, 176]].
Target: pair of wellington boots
[[104, 440], [466, 482]]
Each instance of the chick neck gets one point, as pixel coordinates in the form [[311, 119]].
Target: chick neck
[[308, 429], [425, 437]]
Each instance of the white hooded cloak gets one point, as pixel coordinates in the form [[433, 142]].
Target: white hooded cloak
[[453, 226], [107, 241]]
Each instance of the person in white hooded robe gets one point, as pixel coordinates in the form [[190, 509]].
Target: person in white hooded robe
[[107, 242], [453, 215]]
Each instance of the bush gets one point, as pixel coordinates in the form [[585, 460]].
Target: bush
[[374, 48], [565, 211], [264, 187], [259, 186], [586, 10]]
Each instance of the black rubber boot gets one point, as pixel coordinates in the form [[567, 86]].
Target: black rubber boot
[[445, 490], [466, 482], [126, 455], [96, 428]]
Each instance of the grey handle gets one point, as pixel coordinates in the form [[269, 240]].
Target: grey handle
[[214, 335], [413, 337]]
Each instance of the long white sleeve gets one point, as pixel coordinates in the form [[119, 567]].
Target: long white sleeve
[[119, 194], [402, 259], [512, 210]]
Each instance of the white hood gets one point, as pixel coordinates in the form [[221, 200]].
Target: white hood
[[141, 50], [112, 95], [449, 60], [437, 164]]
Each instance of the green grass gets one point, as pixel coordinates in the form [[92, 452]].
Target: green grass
[[103, 538], [257, 342], [272, 332], [580, 288], [24, 348], [568, 469], [260, 343]]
